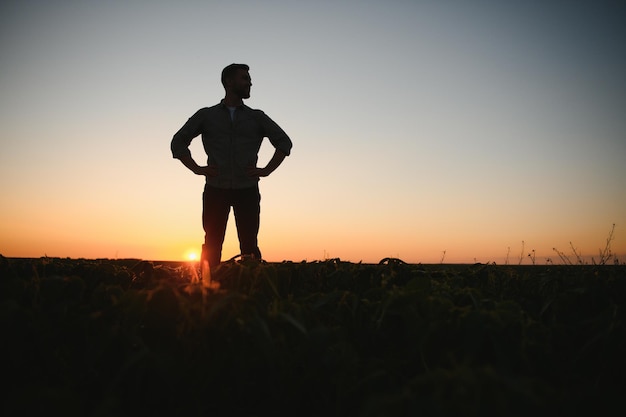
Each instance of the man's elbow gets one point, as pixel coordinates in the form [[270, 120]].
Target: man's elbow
[[285, 150], [178, 152]]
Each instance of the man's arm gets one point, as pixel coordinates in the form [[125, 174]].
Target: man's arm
[[191, 164], [277, 136], [181, 141], [277, 159]]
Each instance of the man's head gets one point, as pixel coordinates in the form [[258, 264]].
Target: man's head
[[236, 80]]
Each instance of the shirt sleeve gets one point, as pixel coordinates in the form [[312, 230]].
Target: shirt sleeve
[[277, 136], [182, 139]]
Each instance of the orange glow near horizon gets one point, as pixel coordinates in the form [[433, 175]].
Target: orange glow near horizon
[[427, 249], [357, 238]]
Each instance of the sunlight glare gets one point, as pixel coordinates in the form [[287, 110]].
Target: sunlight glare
[[192, 256]]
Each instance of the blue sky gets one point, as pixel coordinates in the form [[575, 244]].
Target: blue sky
[[418, 126]]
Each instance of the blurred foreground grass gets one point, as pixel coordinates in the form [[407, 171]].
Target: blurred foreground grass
[[332, 338]]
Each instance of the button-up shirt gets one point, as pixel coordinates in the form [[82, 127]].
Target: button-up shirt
[[232, 145]]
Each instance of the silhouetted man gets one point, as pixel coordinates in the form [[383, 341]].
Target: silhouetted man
[[232, 134]]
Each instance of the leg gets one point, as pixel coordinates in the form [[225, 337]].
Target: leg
[[215, 210], [247, 209]]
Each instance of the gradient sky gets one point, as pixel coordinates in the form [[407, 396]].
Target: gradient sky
[[423, 130]]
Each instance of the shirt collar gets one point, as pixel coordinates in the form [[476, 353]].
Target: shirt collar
[[243, 106]]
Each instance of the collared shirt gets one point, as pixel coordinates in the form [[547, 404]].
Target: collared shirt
[[231, 145]]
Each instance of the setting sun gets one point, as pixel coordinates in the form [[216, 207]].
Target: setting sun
[[192, 256]]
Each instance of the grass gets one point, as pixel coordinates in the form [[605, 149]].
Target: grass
[[324, 338], [605, 254]]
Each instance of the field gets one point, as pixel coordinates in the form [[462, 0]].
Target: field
[[329, 338]]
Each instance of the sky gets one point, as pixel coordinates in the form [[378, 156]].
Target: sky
[[429, 131]]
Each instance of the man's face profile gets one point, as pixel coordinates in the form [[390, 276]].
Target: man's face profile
[[240, 83]]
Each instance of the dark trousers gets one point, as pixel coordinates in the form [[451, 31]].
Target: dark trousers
[[216, 204]]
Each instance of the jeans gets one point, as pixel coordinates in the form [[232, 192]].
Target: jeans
[[216, 204]]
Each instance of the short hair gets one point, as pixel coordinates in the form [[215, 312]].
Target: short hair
[[230, 71]]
